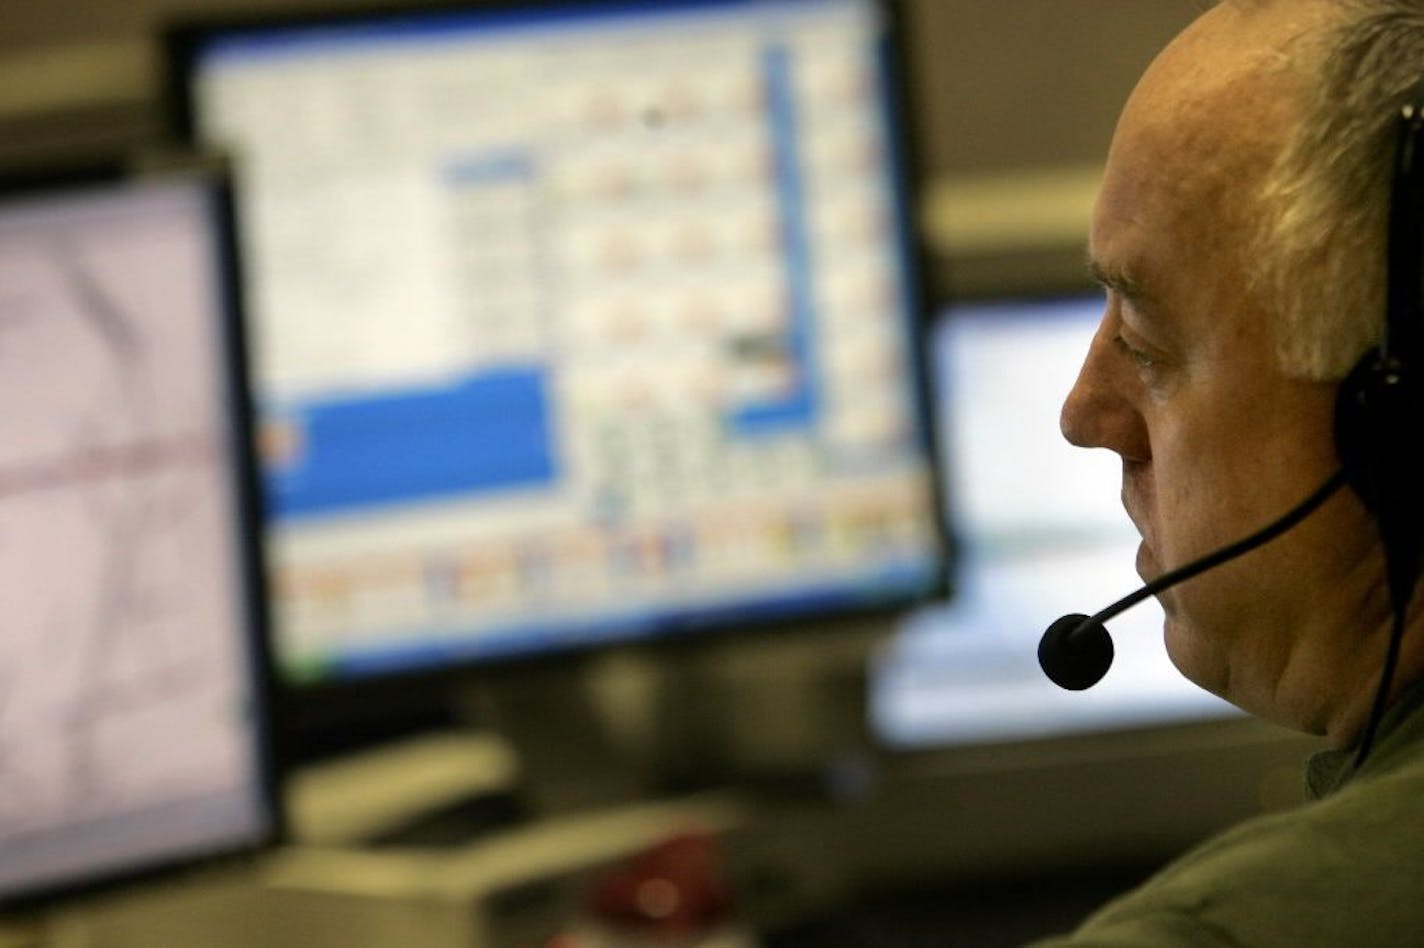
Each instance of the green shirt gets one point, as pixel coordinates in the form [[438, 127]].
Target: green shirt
[[1346, 869]]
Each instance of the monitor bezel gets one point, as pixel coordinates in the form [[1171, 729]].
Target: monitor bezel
[[210, 174], [182, 43]]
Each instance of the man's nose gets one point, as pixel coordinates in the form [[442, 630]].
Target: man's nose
[[1099, 411]]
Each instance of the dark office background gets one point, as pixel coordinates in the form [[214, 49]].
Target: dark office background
[[1003, 86]]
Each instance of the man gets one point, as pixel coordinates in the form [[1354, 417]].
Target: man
[[1240, 235]]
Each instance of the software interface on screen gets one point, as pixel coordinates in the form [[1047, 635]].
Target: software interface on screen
[[574, 324], [1042, 533], [128, 733]]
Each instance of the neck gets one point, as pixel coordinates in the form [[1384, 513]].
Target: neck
[[1365, 657], [1328, 681]]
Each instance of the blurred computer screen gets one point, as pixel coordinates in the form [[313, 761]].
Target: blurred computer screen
[[576, 323], [132, 722]]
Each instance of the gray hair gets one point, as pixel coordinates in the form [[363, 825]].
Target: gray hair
[[1326, 200]]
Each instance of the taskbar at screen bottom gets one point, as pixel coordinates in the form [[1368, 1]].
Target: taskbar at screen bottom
[[420, 650]]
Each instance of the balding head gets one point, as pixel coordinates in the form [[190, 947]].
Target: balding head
[[1184, 381], [1206, 124]]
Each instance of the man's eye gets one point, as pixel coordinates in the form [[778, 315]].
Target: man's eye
[[1142, 359]]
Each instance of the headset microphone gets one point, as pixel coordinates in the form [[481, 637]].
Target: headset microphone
[[1076, 651]]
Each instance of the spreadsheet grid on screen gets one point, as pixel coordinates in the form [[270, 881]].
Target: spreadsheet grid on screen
[[575, 324]]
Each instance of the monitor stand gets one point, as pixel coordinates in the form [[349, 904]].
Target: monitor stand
[[585, 734], [508, 746], [763, 713]]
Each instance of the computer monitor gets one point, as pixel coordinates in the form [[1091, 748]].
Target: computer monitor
[[1039, 533], [576, 323], [132, 715]]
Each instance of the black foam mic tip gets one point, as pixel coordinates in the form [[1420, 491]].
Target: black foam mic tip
[[1075, 653]]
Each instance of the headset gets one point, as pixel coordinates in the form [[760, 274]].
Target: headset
[[1379, 410], [1380, 405]]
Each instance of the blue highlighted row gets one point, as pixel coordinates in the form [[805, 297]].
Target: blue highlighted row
[[487, 433]]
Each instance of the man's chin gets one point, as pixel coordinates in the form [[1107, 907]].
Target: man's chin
[[1191, 656]]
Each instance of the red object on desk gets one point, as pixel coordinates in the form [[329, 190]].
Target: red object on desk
[[673, 890]]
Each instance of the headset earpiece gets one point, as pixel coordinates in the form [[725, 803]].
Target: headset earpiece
[[1356, 424], [1379, 411], [1370, 430]]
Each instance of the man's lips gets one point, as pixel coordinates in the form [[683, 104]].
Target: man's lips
[[1147, 566]]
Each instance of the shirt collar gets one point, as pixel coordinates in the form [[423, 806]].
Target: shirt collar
[[1401, 728]]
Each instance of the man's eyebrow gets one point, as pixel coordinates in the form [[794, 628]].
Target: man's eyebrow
[[1119, 281]]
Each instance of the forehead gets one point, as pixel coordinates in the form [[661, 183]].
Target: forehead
[[1195, 138]]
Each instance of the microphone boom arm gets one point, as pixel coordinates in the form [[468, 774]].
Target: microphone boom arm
[[1077, 650], [1262, 536]]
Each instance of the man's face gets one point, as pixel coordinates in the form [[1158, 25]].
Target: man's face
[[1181, 379]]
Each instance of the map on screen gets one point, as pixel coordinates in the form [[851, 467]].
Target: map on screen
[[127, 726]]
